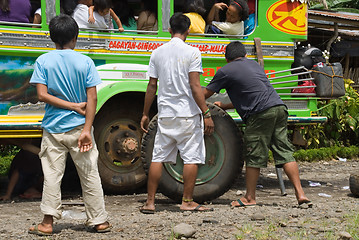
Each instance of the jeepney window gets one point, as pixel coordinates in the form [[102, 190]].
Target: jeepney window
[[18, 12], [136, 16], [227, 18]]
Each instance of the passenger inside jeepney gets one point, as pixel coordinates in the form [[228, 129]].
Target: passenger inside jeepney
[[126, 14], [147, 18], [10, 11], [236, 13], [194, 10], [105, 14]]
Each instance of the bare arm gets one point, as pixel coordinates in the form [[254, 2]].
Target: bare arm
[[44, 96], [91, 18], [149, 97], [85, 139], [117, 20], [213, 14], [198, 96]]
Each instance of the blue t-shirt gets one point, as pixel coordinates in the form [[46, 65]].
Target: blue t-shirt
[[66, 74], [247, 86]]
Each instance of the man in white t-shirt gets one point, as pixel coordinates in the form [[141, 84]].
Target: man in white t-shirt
[[176, 67]]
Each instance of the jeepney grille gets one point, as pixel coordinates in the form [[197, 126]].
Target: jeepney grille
[[295, 104]]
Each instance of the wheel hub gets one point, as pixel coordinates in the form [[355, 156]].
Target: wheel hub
[[128, 145]]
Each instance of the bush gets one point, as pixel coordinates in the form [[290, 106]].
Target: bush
[[326, 154], [342, 127], [7, 153]]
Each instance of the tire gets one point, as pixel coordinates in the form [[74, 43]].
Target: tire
[[224, 160], [354, 184], [118, 137]]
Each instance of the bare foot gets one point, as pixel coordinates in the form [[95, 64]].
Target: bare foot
[[148, 208], [5, 198], [303, 199], [41, 228], [103, 227], [243, 202]]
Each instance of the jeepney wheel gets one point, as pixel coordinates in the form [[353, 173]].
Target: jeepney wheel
[[224, 160], [354, 184], [118, 138]]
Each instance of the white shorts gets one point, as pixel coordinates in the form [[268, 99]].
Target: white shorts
[[183, 134]]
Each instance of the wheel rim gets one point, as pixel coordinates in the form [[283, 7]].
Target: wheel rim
[[119, 145], [215, 157]]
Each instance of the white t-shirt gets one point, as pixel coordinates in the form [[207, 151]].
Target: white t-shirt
[[230, 28], [171, 64], [81, 16]]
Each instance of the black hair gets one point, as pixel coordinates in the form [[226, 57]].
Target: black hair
[[150, 5], [123, 11], [235, 50], [4, 6], [68, 6], [63, 29], [101, 4], [196, 6], [179, 23], [242, 8]]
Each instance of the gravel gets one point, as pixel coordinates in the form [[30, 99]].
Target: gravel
[[275, 217]]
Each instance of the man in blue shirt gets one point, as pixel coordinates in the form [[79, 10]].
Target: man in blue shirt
[[66, 81]]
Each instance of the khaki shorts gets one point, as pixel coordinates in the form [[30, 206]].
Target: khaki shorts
[[183, 134], [268, 130]]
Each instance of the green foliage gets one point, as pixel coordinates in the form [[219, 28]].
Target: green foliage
[[342, 127], [338, 5], [7, 153], [329, 153]]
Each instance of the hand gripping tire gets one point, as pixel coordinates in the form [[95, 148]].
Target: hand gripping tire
[[224, 160]]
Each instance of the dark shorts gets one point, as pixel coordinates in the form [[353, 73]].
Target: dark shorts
[[268, 130]]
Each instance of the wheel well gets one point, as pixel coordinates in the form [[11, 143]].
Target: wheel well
[[128, 100]]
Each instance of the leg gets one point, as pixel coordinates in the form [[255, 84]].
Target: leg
[[291, 169], [87, 169], [53, 160], [189, 179], [152, 185], [252, 175], [10, 187]]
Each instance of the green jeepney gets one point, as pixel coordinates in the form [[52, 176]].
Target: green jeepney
[[121, 59]]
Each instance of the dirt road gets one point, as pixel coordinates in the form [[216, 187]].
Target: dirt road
[[333, 216]]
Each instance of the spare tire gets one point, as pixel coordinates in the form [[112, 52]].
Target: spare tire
[[354, 184], [224, 160]]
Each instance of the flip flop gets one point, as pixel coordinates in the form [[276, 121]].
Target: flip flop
[[306, 204], [241, 204], [38, 232], [147, 211], [197, 209], [106, 229]]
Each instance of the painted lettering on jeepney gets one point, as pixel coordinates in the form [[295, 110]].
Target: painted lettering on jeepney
[[150, 46], [289, 17], [124, 45]]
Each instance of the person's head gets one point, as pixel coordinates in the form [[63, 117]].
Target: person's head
[[235, 50], [179, 23], [102, 7], [124, 12], [63, 31], [196, 6], [237, 11], [150, 5]]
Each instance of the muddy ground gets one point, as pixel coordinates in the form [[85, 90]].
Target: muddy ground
[[275, 217]]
